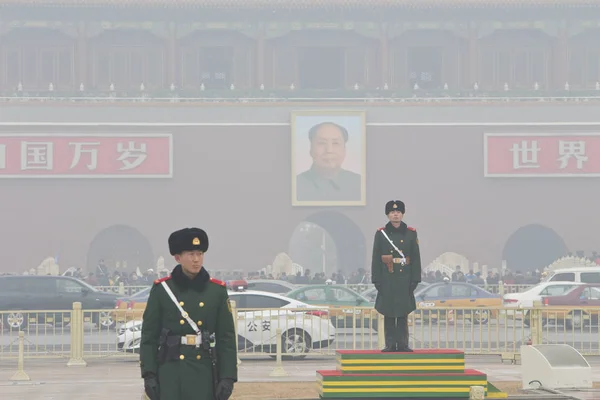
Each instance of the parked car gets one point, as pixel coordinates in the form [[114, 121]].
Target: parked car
[[576, 309], [576, 274], [270, 285], [536, 293], [132, 307], [434, 298], [342, 302], [304, 327], [39, 293]]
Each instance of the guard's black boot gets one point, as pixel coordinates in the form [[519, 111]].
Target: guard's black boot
[[403, 335], [389, 348], [388, 329]]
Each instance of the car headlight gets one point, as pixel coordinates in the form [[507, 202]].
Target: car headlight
[[134, 328]]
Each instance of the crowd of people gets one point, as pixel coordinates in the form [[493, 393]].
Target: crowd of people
[[104, 277], [361, 276]]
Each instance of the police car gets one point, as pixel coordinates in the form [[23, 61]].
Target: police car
[[304, 327]]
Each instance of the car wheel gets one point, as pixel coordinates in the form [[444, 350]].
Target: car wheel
[[527, 320], [295, 343], [576, 321], [15, 321], [104, 320], [480, 317]]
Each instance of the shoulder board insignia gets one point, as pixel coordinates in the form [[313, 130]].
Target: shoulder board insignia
[[410, 228], [381, 229], [158, 281], [218, 282]]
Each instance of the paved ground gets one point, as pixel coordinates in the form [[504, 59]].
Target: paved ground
[[109, 379]]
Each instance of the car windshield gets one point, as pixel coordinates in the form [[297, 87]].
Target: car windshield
[[535, 288], [349, 295], [87, 285], [484, 291], [365, 299], [421, 290], [569, 290]]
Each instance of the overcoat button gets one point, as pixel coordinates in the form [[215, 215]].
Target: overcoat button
[[181, 303], [198, 357], [199, 323], [182, 322], [181, 357], [201, 304]]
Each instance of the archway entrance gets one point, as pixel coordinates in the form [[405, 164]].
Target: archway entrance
[[329, 242], [122, 248], [533, 247]]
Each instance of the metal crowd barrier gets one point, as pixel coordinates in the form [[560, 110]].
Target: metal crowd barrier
[[126, 290], [77, 335]]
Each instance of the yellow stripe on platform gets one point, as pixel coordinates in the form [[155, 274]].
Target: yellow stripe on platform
[[419, 361], [496, 395], [399, 390], [405, 368], [403, 383]]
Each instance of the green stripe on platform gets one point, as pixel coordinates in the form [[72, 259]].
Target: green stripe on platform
[[403, 361], [401, 365], [430, 369]]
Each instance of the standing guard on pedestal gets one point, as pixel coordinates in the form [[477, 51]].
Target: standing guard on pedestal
[[396, 272]]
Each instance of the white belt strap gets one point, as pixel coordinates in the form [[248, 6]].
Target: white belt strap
[[181, 310], [395, 248]]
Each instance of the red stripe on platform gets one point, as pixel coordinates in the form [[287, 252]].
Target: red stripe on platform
[[427, 351], [468, 372]]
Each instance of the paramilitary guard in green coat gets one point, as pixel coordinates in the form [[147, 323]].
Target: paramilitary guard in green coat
[[396, 272], [183, 323]]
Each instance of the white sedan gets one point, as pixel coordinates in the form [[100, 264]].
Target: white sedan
[[260, 314], [525, 299]]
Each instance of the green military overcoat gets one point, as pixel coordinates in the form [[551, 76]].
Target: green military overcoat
[[395, 298], [189, 375]]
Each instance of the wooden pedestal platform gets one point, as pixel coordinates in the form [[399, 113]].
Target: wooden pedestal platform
[[422, 374]]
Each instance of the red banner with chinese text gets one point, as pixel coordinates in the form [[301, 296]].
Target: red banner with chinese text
[[86, 156], [542, 155]]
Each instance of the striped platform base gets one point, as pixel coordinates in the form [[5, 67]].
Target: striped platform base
[[420, 361], [423, 374], [334, 384]]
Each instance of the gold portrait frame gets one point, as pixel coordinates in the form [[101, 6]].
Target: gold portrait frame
[[333, 114]]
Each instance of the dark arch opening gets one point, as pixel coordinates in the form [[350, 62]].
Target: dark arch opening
[[120, 243], [533, 247], [347, 237]]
